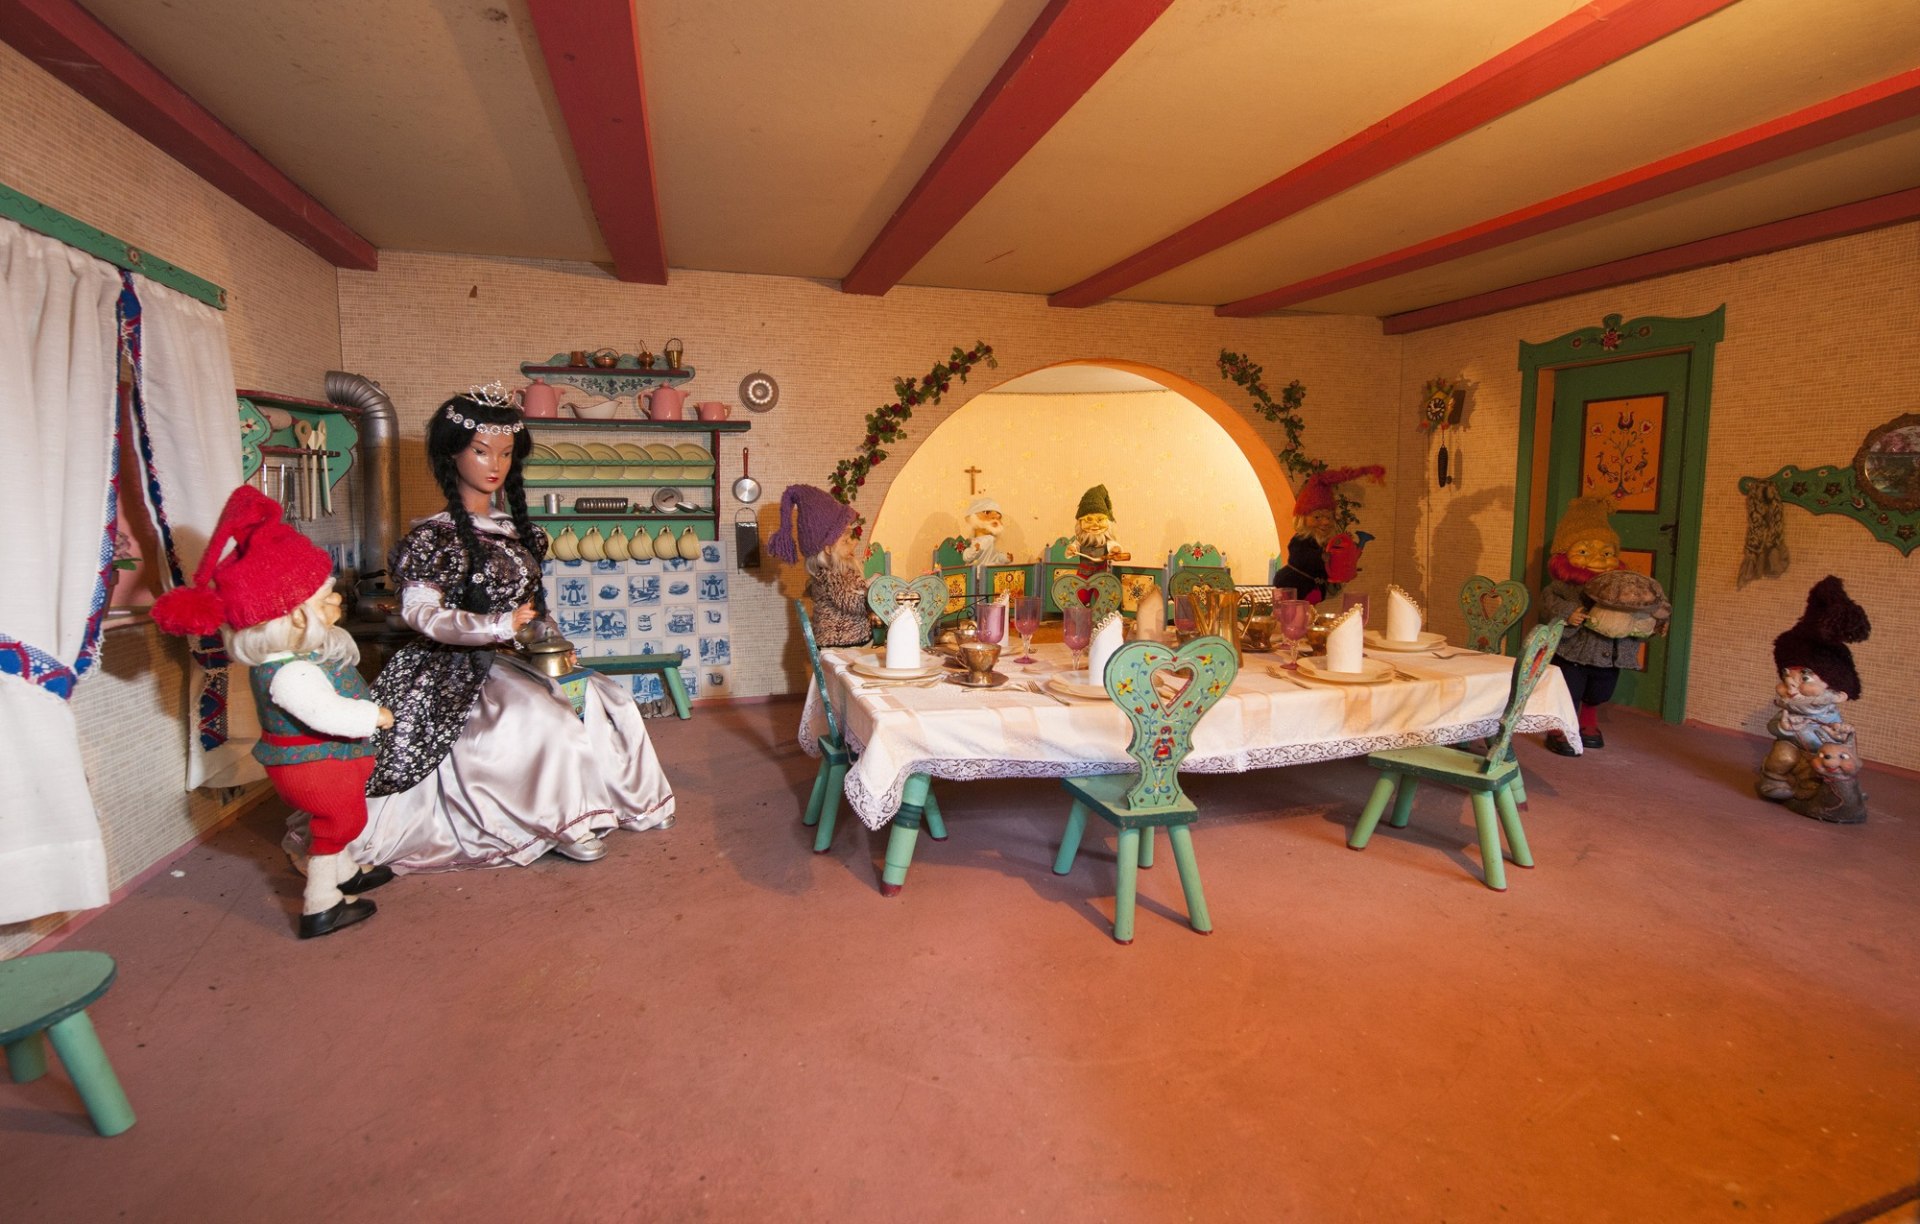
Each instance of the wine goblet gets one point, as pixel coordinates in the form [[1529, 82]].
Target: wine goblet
[[1296, 621], [1076, 630], [991, 622], [1026, 618]]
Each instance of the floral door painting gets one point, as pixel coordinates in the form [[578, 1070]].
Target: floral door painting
[[1619, 431]]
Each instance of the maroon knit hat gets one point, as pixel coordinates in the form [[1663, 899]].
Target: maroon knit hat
[[1818, 639], [272, 570], [810, 520]]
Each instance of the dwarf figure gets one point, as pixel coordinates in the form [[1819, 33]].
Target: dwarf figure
[[1093, 540], [817, 531], [1321, 559], [1817, 677], [272, 601], [982, 524], [1837, 798], [1607, 617]]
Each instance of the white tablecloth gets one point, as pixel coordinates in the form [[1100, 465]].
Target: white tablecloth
[[1263, 722]]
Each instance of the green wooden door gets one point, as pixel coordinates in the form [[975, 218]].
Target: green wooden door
[[1619, 430]]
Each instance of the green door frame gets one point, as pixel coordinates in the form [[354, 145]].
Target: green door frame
[[1615, 341]]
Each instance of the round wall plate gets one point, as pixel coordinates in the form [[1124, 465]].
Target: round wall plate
[[759, 392]]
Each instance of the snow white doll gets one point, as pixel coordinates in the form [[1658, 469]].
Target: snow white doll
[[486, 763]]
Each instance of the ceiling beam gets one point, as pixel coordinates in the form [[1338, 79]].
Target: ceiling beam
[[1070, 46], [75, 48], [592, 49], [1824, 123], [1896, 208], [1580, 43]]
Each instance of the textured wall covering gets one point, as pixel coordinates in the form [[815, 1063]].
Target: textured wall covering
[[427, 325], [283, 324], [1819, 349]]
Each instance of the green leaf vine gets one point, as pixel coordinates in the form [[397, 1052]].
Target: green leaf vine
[[887, 423], [1243, 372]]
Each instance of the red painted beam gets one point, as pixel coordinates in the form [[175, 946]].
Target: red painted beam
[[75, 48], [1896, 208], [592, 49], [1582, 42], [1070, 46], [1863, 110]]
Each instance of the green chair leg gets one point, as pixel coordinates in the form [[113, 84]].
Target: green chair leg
[[830, 808], [79, 1049], [936, 827], [1182, 839], [1519, 786], [1070, 840], [1491, 863], [819, 797], [1510, 822], [1129, 887], [1403, 802], [1370, 815], [676, 691], [27, 1058], [1146, 847]]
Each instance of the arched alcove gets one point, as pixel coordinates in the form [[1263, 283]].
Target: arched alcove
[[1179, 462]]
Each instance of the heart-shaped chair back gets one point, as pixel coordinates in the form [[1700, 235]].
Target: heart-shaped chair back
[[927, 594], [1491, 609], [1103, 592], [1163, 726], [1536, 653]]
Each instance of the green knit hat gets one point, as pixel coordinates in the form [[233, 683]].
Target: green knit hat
[[1095, 501]]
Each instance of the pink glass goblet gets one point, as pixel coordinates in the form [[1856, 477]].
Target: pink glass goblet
[[1026, 618], [1183, 622], [1295, 617], [1076, 630], [991, 622]]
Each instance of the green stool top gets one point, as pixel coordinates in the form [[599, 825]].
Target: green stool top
[[37, 992]]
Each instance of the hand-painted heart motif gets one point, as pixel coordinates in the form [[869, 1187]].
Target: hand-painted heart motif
[[1101, 592], [1491, 609], [1163, 725], [927, 595]]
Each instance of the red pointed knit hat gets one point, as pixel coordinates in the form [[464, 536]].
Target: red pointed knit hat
[[272, 570], [1317, 493]]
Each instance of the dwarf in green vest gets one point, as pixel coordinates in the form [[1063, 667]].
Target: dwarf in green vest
[[1093, 540]]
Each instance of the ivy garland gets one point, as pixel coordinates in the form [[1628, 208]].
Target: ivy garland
[[1240, 370], [887, 423]]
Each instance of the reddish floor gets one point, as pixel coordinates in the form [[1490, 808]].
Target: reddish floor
[[1697, 1007]]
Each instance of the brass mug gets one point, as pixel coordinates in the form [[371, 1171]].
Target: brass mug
[[577, 358], [1216, 613]]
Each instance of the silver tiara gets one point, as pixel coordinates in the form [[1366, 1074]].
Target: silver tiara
[[493, 397]]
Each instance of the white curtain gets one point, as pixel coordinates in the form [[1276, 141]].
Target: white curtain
[[186, 409], [59, 361]]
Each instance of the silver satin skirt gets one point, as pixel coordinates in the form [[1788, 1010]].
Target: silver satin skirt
[[525, 775]]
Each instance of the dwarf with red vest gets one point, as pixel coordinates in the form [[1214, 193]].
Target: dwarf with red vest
[[272, 600], [1318, 557]]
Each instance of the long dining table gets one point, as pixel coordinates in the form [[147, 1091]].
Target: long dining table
[[908, 733]]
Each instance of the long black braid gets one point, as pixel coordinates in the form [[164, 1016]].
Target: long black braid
[[446, 439]]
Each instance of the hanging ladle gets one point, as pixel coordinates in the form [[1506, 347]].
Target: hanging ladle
[[746, 489]]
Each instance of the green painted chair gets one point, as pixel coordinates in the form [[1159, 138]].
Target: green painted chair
[[1492, 779], [877, 561], [927, 594], [665, 666], [823, 807], [45, 998], [1491, 608], [1192, 564], [1104, 601], [1162, 736]]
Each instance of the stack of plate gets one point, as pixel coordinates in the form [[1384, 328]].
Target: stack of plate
[[638, 464], [696, 460]]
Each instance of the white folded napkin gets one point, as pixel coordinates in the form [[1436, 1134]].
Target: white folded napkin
[[903, 639], [1404, 617], [1343, 642], [1106, 639]]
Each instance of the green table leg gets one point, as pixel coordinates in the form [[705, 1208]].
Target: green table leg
[[904, 832], [79, 1048], [27, 1058]]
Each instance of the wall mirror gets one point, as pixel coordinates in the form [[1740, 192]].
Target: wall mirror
[[1887, 467]]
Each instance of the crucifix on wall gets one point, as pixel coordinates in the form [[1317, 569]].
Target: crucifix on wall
[[971, 472]]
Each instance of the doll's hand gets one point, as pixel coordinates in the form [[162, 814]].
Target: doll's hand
[[521, 615], [1577, 617], [383, 719], [1660, 630]]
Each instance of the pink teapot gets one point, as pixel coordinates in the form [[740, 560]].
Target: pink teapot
[[540, 400], [666, 404]]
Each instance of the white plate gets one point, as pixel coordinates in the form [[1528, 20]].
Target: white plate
[[1077, 684], [1372, 671], [877, 671], [1426, 641]]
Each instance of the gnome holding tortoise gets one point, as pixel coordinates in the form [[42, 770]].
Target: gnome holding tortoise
[[1813, 766]]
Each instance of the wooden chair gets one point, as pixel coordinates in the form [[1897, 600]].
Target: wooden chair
[[823, 806], [876, 561], [927, 593], [45, 998], [1491, 608], [1105, 587], [1192, 564], [1162, 736], [1492, 779]]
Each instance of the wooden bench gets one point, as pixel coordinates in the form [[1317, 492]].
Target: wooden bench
[[666, 666]]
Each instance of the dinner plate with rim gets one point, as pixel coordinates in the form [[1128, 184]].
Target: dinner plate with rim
[[1426, 641], [865, 666], [639, 464], [540, 452], [1077, 684], [611, 466], [570, 452], [1372, 671]]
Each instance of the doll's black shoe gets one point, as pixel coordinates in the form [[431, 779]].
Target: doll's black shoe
[[326, 922], [1593, 739], [367, 881], [1557, 744]]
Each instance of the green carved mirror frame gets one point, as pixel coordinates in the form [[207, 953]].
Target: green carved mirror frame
[[1887, 466]]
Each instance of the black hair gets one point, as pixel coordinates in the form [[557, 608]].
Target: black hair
[[446, 439]]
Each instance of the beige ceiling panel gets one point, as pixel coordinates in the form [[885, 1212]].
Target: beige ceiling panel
[[785, 134], [1858, 169], [1756, 61], [1217, 98], [422, 125]]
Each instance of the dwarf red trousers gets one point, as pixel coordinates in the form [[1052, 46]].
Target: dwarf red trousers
[[333, 792]]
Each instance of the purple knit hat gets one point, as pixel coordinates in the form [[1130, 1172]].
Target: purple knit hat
[[819, 521], [1818, 639]]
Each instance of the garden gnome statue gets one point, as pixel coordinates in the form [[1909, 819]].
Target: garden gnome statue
[[1320, 558], [983, 522], [1093, 540], [1813, 764]]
